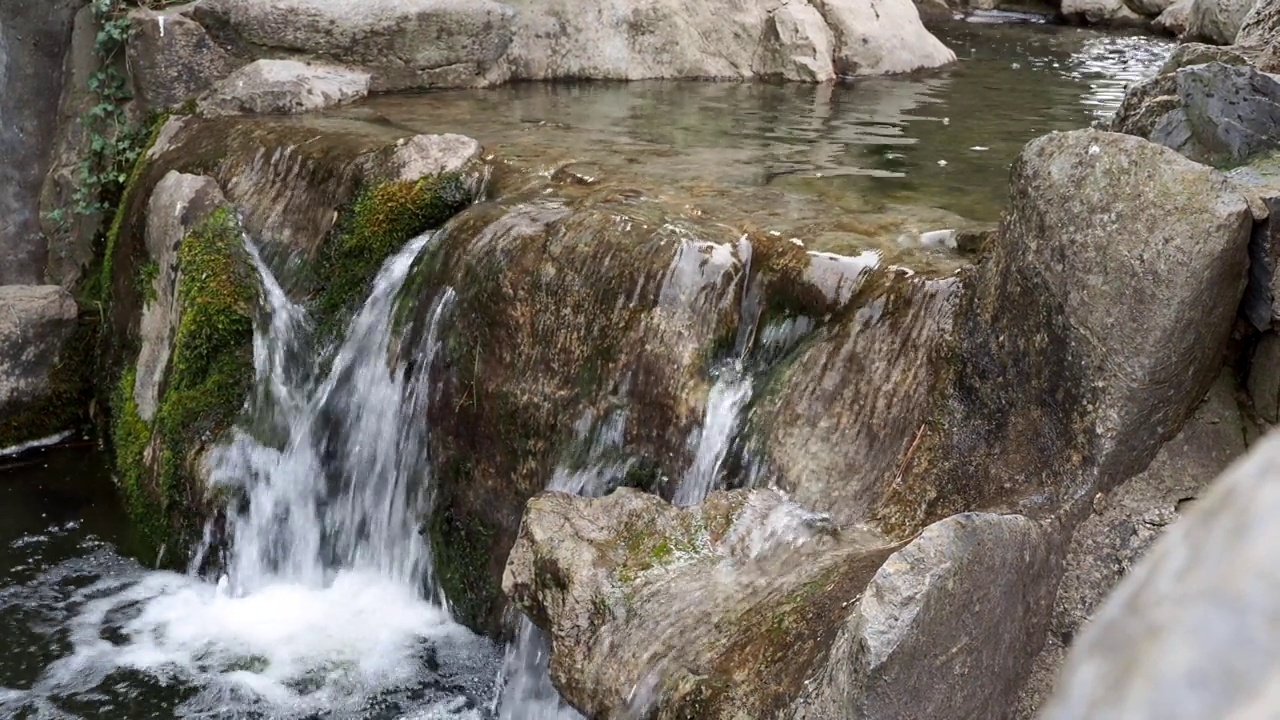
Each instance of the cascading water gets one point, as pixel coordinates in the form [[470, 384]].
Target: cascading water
[[328, 607]]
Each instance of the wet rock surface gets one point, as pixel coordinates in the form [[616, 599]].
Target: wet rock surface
[[748, 604], [283, 87], [1185, 635]]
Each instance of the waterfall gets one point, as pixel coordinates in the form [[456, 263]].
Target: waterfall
[[328, 604]]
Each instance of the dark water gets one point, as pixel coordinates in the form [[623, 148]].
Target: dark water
[[843, 167]]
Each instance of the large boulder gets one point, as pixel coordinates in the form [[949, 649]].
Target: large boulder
[[402, 44], [283, 87], [1125, 524], [41, 376], [34, 37], [749, 606], [1214, 113], [1100, 317], [813, 40], [1217, 21], [451, 43], [1190, 633]]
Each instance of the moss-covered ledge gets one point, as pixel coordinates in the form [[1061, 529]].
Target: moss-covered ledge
[[203, 387]]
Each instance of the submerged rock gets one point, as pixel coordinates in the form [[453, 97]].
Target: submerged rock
[[41, 368], [747, 606], [283, 87], [1188, 634], [1213, 113]]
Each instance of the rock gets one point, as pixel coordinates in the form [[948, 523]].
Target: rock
[[1264, 377], [402, 44], [1125, 523], [1149, 8], [1191, 53], [422, 156], [1259, 36], [283, 87], [451, 43], [1217, 21], [1175, 19], [40, 381], [178, 204], [69, 233], [1260, 180], [1101, 12], [171, 57], [833, 443], [34, 37], [1111, 245], [727, 609], [804, 40], [1188, 633], [1213, 113]]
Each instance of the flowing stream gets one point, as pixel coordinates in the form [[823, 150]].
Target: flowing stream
[[327, 606]]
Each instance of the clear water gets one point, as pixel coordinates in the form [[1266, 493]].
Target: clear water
[[328, 608]]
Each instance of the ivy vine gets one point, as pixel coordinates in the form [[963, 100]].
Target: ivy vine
[[114, 141]]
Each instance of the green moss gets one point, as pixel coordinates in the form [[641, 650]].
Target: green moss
[[97, 285], [209, 374], [461, 547], [381, 219]]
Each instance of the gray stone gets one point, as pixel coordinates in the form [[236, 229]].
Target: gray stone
[[1192, 53], [1260, 181], [1101, 12], [963, 601], [1190, 633], [1174, 19], [1125, 523], [1099, 317], [1264, 377], [36, 324], [1259, 36], [1149, 8], [34, 37], [178, 204], [1213, 113], [1217, 21], [171, 57], [283, 87], [402, 44], [422, 156], [726, 610]]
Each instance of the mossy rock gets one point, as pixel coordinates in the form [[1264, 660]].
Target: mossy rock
[[208, 377]]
